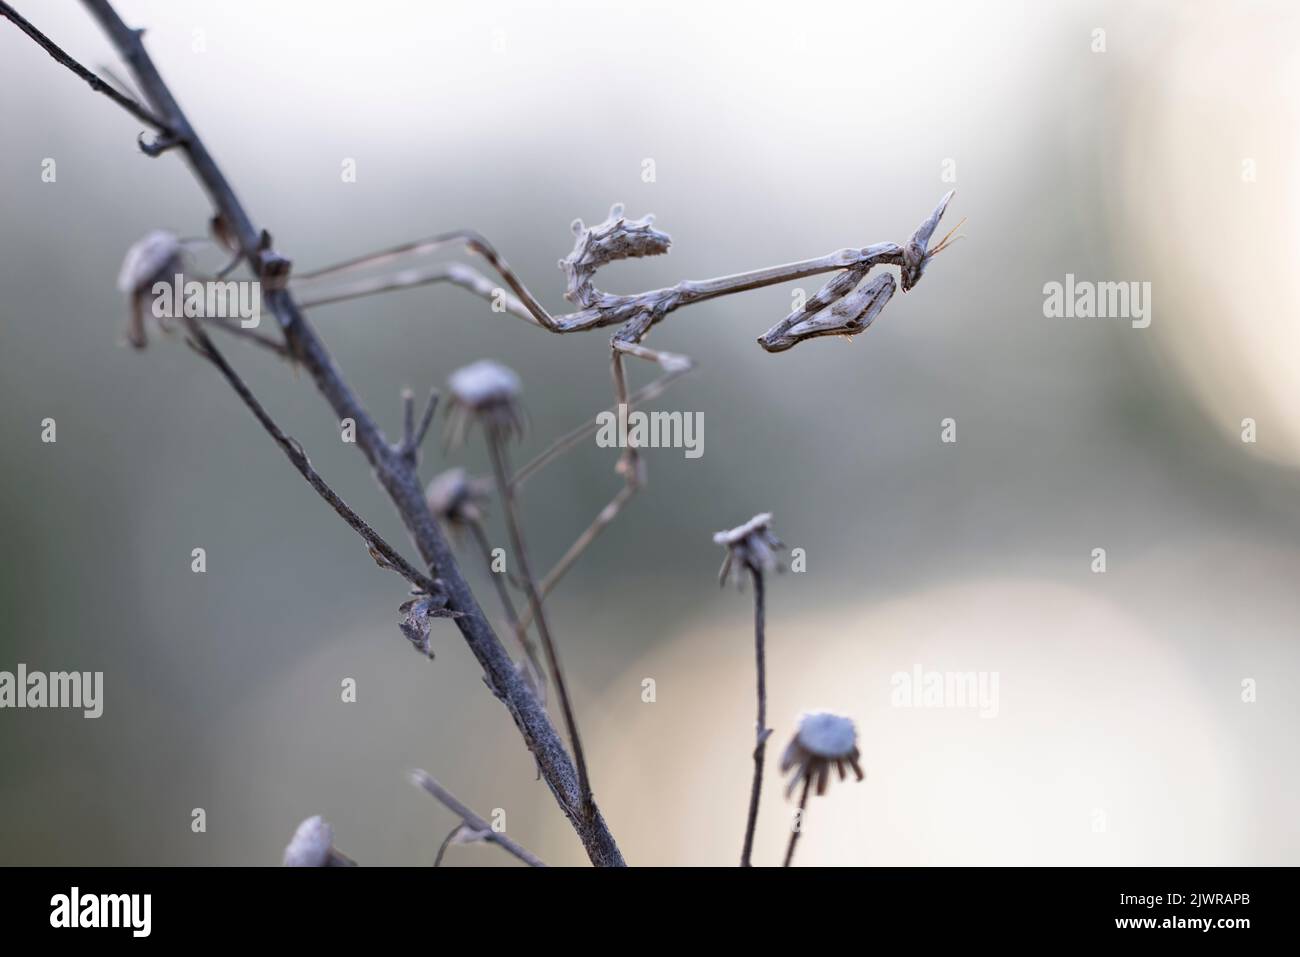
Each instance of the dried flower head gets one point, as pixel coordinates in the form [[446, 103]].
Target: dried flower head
[[488, 392], [313, 846], [456, 499], [750, 547], [823, 739], [155, 257], [615, 238]]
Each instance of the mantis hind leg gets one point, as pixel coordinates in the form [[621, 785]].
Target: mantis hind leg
[[630, 465]]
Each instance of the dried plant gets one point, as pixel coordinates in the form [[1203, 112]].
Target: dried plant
[[824, 740], [751, 549], [156, 256], [312, 845], [485, 394], [489, 393], [459, 503], [471, 827]]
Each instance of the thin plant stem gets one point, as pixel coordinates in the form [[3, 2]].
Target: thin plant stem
[[481, 828], [796, 831], [96, 83], [446, 843], [512, 616], [380, 548], [412, 434], [496, 441], [760, 729]]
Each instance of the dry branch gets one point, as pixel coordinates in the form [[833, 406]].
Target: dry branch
[[392, 467], [480, 828]]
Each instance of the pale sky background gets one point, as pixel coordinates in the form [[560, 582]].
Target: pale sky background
[[777, 133]]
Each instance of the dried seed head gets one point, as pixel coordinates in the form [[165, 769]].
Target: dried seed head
[[915, 255], [822, 741], [486, 391], [750, 548], [484, 383], [615, 238], [312, 845], [155, 257], [455, 499]]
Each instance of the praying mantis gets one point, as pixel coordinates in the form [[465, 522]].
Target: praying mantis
[[845, 306]]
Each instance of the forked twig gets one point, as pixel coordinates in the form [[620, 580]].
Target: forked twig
[[413, 434], [98, 84], [383, 553], [480, 828]]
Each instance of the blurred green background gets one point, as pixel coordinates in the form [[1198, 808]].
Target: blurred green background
[[776, 133]]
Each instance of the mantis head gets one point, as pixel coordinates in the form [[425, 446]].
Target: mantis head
[[916, 253]]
